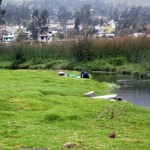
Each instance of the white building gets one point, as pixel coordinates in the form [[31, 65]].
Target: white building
[[70, 24], [138, 34], [112, 24], [45, 38], [10, 37], [55, 25]]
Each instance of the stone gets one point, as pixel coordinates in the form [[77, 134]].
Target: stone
[[118, 98], [68, 145], [61, 73], [112, 135], [90, 94]]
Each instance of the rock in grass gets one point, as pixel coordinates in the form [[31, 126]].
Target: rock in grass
[[90, 94], [112, 135], [68, 145]]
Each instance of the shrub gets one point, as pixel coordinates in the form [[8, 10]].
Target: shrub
[[20, 57], [118, 61]]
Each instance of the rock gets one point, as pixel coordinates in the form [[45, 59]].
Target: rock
[[112, 135], [61, 73], [68, 145], [109, 97], [118, 98], [90, 94]]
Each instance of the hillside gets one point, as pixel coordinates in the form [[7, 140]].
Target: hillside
[[127, 2], [132, 2]]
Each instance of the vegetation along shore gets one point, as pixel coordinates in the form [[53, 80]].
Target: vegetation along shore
[[119, 55]]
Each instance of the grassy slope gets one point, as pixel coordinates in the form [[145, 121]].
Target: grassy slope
[[40, 109]]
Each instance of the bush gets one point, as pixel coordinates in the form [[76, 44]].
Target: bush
[[118, 61], [20, 58]]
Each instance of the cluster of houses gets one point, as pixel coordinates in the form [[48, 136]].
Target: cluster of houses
[[9, 34]]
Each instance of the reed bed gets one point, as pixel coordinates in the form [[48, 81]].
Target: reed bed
[[135, 50], [101, 53], [53, 51]]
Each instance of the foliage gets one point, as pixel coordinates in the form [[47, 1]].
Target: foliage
[[38, 22], [63, 15], [83, 50], [19, 58], [17, 13], [44, 16], [34, 27], [83, 16], [2, 13], [118, 61], [22, 36], [119, 55]]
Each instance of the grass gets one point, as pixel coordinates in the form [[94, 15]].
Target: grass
[[39, 109]]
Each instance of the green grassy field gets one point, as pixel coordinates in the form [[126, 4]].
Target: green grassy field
[[39, 109]]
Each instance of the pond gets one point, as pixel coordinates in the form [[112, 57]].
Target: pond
[[136, 91]]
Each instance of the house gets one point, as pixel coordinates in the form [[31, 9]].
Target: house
[[112, 24], [9, 37], [70, 24], [109, 35], [55, 25], [45, 38], [8, 34], [138, 34], [105, 35]]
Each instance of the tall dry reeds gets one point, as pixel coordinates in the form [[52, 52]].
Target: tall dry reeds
[[43, 51], [135, 50]]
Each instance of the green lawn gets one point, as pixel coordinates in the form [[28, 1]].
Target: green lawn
[[39, 109]]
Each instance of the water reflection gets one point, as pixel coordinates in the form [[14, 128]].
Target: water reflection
[[136, 91]]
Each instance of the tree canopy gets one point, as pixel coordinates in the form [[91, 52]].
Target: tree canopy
[[2, 13]]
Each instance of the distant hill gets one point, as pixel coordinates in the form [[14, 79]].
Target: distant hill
[[132, 2], [127, 2]]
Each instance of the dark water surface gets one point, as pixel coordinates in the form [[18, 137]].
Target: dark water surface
[[136, 91]]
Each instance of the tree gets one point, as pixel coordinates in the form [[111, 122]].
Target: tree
[[43, 21], [86, 15], [34, 30], [77, 23], [2, 13], [38, 23], [17, 13], [63, 15], [96, 22], [22, 36], [35, 24], [44, 17], [115, 15]]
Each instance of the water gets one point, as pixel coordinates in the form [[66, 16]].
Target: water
[[136, 91]]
